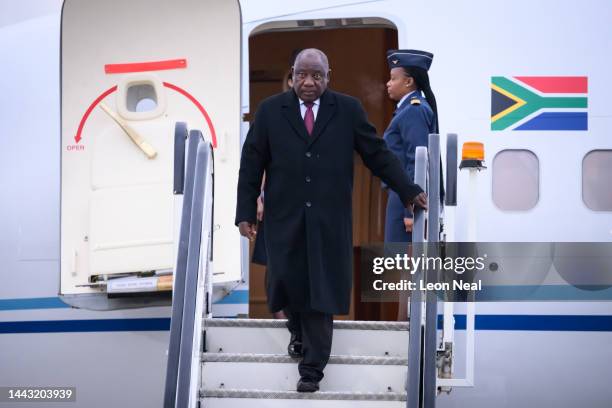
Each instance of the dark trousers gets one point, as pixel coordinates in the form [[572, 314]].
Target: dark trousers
[[315, 330]]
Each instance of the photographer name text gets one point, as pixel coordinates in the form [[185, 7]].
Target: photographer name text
[[405, 284]]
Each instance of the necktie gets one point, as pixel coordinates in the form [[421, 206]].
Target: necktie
[[309, 117]]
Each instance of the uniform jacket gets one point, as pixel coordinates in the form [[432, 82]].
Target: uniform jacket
[[308, 195], [410, 127]]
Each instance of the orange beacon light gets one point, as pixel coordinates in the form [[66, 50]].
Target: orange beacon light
[[472, 156]]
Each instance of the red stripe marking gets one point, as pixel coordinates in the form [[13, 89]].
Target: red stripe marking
[[104, 94], [200, 107], [183, 92], [145, 66], [557, 84]]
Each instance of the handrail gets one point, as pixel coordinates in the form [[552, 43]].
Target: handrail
[[178, 291], [450, 196], [190, 294], [181, 134], [413, 381], [430, 372], [421, 386]]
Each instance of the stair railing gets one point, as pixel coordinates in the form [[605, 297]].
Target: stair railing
[[422, 378], [192, 276], [422, 348], [415, 312]]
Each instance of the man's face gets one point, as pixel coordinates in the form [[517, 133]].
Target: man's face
[[310, 77], [399, 83]]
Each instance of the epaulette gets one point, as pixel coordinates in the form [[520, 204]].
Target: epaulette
[[415, 101]]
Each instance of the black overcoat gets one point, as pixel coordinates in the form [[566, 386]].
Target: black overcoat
[[308, 195]]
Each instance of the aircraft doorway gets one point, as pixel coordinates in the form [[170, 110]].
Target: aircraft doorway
[[356, 49]]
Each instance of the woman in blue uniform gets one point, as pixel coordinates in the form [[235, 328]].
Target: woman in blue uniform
[[414, 119]]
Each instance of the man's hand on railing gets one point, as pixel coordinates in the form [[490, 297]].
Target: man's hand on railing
[[418, 201], [247, 230]]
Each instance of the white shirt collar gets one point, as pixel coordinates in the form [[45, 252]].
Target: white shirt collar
[[404, 98], [316, 101], [315, 108]]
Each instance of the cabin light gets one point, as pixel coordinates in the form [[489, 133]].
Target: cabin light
[[472, 156]]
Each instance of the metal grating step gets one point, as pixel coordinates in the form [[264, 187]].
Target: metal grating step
[[280, 373], [294, 395], [253, 336], [281, 323], [284, 358]]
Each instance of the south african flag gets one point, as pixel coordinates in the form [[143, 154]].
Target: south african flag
[[539, 103]]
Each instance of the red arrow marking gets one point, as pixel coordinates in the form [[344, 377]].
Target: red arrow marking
[[200, 108], [78, 138], [183, 92]]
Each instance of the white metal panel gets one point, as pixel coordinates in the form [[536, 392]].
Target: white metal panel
[[125, 235]]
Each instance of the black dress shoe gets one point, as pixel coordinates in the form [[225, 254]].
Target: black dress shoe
[[294, 349], [307, 385]]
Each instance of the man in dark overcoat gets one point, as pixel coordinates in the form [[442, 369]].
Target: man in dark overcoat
[[304, 140]]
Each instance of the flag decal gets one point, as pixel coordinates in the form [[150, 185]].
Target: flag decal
[[539, 103]]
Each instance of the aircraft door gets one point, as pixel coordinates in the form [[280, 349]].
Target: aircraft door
[[129, 72]]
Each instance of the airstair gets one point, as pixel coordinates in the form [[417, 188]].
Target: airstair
[[245, 363], [221, 362]]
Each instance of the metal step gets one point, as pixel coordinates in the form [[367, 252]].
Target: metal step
[[282, 323], [279, 372], [258, 398], [270, 336], [284, 358]]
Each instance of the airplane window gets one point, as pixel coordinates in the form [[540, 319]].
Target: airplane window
[[141, 98], [516, 180], [596, 186]]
